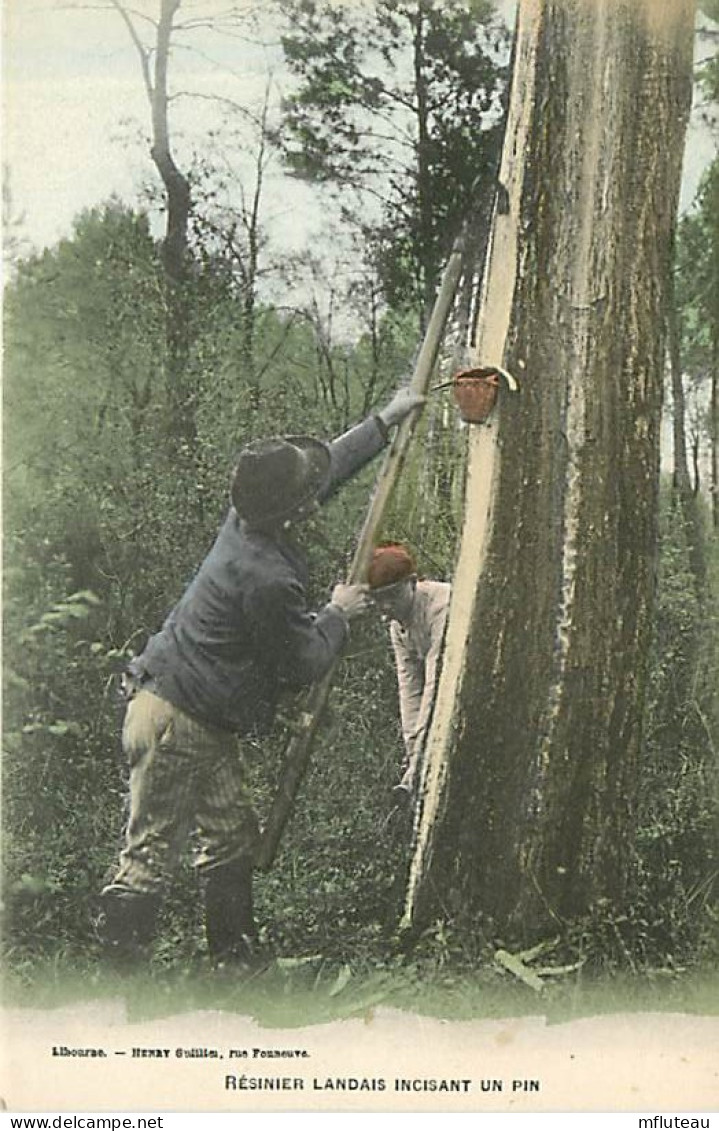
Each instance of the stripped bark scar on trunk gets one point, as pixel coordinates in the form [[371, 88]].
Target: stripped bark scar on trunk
[[532, 756], [482, 457]]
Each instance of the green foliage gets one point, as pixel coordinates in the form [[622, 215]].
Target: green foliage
[[678, 866], [708, 71], [426, 511], [103, 528], [697, 273], [401, 103], [338, 883], [60, 757]]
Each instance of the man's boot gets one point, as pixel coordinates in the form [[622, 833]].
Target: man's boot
[[232, 938], [126, 924]]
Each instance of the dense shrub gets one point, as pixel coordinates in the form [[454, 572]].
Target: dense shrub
[[678, 866]]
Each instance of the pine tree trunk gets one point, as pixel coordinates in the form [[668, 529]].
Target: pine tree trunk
[[181, 417], [428, 267], [530, 775], [714, 429], [686, 494]]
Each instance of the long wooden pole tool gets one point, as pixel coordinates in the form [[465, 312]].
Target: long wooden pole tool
[[297, 753]]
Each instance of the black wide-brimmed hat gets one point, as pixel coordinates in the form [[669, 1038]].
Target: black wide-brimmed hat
[[276, 477]]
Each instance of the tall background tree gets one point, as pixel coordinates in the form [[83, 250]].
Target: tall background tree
[[398, 111], [155, 62], [399, 108]]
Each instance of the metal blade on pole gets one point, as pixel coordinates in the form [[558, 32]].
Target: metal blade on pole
[[298, 749]]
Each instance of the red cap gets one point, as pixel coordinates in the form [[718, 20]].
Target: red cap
[[390, 563]]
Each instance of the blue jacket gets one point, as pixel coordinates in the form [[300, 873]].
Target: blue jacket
[[242, 629]]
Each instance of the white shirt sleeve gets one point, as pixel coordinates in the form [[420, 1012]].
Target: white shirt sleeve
[[410, 682]]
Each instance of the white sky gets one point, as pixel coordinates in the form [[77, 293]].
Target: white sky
[[76, 115], [75, 110], [67, 83]]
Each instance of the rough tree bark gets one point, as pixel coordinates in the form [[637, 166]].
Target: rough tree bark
[[532, 757]]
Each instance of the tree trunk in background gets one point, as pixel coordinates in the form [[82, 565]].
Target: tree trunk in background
[[174, 247], [714, 428], [180, 419], [680, 465], [428, 265], [711, 207], [528, 790], [686, 494]]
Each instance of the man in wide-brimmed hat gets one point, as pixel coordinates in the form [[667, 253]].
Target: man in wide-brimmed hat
[[417, 612], [213, 674]]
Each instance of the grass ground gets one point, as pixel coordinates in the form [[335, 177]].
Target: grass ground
[[307, 991]]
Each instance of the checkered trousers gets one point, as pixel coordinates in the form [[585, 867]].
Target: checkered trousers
[[185, 777]]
